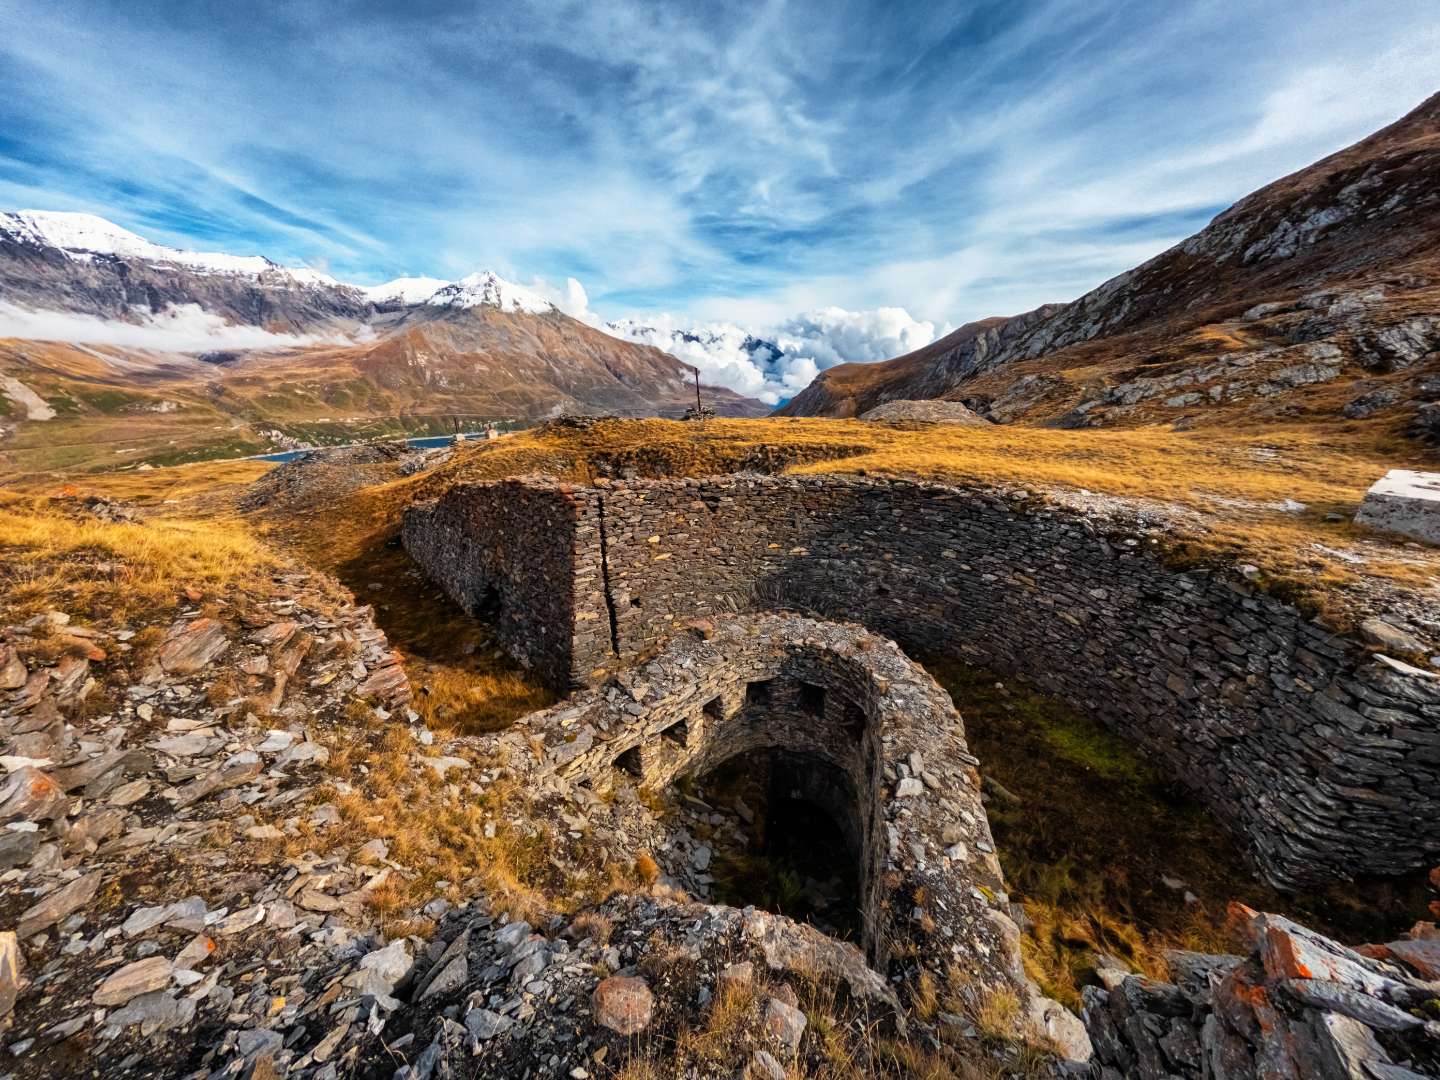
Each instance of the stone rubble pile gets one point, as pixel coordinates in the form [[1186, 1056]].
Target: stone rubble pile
[[321, 473], [129, 920], [931, 412], [1298, 1006], [498, 998]]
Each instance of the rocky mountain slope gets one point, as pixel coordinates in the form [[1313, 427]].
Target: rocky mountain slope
[[1316, 295], [84, 264], [528, 363]]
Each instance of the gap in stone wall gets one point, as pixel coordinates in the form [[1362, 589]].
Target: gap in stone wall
[[774, 846]]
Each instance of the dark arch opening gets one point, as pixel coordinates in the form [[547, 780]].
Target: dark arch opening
[[799, 852], [485, 604]]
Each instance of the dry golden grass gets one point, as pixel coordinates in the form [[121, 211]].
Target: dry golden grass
[[1330, 466], [475, 698], [734, 1015], [841, 1042], [55, 557], [1226, 489], [436, 828], [153, 486]]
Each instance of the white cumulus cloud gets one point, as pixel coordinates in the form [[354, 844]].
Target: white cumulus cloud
[[832, 335], [570, 298], [775, 362]]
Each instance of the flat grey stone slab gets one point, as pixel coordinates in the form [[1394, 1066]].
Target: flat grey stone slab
[[1404, 502]]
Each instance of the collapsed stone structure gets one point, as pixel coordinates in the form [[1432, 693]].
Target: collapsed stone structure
[[1323, 756], [864, 733]]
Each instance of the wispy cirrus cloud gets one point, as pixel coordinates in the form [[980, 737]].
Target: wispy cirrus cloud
[[726, 162]]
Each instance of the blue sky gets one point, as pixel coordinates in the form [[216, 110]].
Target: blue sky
[[737, 161]]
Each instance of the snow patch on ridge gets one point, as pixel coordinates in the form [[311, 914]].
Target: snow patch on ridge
[[404, 290], [493, 290]]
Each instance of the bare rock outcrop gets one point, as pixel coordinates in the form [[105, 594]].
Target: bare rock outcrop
[[934, 412], [131, 932], [1298, 1005]]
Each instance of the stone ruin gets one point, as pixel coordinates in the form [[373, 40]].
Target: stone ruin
[[1322, 756], [700, 619], [856, 728]]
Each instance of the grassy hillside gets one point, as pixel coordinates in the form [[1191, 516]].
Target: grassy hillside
[[1091, 889]]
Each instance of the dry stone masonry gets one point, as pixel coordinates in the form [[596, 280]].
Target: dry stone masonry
[[868, 736], [902, 784], [1324, 756]]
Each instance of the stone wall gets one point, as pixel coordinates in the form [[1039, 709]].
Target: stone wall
[[1324, 758], [508, 550]]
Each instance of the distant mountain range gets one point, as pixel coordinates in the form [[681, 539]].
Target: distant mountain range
[[1317, 296], [241, 354]]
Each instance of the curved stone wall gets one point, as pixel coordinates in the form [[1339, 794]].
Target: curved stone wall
[[1323, 757], [829, 692]]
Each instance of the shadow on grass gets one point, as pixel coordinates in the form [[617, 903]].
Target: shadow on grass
[[1109, 856], [462, 679]]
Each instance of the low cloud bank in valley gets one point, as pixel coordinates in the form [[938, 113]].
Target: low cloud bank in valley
[[772, 363], [833, 335], [181, 328]]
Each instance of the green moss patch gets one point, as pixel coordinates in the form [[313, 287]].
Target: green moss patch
[[1110, 856]]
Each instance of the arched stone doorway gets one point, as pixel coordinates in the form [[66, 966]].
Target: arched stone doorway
[[795, 842]]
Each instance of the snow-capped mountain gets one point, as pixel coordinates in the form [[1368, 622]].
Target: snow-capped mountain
[[56, 266], [82, 237], [485, 288], [81, 264], [404, 352], [69, 241], [404, 290]]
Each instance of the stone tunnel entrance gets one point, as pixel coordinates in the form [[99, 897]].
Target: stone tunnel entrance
[[862, 810], [788, 838]]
